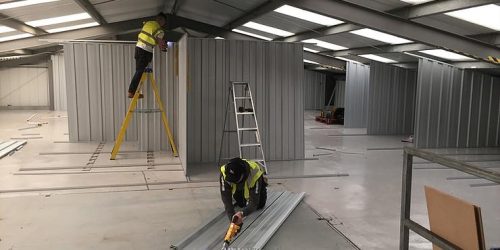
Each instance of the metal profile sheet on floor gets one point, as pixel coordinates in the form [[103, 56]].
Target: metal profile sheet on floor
[[257, 229]]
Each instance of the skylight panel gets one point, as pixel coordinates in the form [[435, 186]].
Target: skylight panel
[[311, 62], [14, 37], [4, 29], [60, 19], [380, 36], [74, 27], [267, 29], [310, 50], [307, 15], [416, 1], [17, 4], [324, 44], [378, 58], [252, 34], [446, 55], [486, 15]]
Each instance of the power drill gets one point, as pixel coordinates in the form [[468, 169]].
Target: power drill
[[231, 232]]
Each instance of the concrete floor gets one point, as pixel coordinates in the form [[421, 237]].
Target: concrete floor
[[133, 207]]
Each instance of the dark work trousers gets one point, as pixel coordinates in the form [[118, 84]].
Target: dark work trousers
[[142, 59]]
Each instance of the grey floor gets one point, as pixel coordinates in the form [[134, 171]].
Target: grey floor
[[126, 205]]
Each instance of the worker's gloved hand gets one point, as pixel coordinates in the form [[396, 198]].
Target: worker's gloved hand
[[238, 218], [163, 45]]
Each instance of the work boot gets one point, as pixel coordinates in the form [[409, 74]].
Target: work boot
[[131, 95]]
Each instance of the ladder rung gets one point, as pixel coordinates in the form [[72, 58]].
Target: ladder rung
[[240, 83], [247, 129], [258, 160], [242, 97], [245, 113], [250, 145], [147, 110]]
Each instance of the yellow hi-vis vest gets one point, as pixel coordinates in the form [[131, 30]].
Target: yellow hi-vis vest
[[255, 173], [149, 32]]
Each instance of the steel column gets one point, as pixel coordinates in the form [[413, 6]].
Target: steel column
[[404, 235]]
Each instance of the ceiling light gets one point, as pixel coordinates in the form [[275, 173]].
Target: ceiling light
[[307, 15], [486, 15], [74, 27], [446, 55], [14, 37], [17, 4], [378, 58], [218, 37], [252, 34], [268, 29], [380, 36], [310, 50], [416, 1], [347, 60], [325, 45], [311, 62], [4, 29], [60, 19]]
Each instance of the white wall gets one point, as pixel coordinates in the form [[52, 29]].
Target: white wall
[[59, 80], [24, 87]]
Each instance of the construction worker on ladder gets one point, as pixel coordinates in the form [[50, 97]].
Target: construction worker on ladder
[[151, 35], [244, 181]]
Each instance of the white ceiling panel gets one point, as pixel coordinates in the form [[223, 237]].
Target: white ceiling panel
[[42, 11], [287, 23], [351, 40], [452, 24]]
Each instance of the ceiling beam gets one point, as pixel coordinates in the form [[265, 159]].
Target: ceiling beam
[[398, 26], [20, 26], [87, 33], [475, 65], [21, 60], [326, 31], [382, 49], [258, 11], [89, 8], [437, 7], [491, 38]]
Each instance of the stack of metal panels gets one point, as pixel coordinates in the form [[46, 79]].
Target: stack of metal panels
[[257, 229], [7, 147]]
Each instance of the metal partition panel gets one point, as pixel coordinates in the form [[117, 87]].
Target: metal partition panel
[[339, 99], [97, 80], [59, 80], [456, 107], [275, 74], [24, 87], [356, 95], [391, 100], [314, 89], [181, 115]]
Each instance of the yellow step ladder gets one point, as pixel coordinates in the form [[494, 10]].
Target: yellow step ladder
[[147, 75]]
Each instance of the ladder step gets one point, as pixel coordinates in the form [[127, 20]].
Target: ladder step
[[240, 83], [245, 113], [250, 145], [247, 129], [147, 110], [242, 97]]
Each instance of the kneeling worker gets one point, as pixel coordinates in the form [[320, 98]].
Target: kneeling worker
[[242, 180]]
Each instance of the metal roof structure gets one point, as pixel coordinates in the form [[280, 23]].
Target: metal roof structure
[[25, 29]]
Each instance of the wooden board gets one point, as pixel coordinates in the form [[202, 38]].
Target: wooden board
[[455, 220]]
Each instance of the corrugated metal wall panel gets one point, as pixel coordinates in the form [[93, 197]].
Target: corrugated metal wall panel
[[181, 116], [97, 84], [59, 79], [391, 99], [314, 85], [356, 99], [24, 86], [456, 107], [275, 74], [339, 98]]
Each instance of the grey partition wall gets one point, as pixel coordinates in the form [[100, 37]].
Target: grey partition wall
[[356, 95], [97, 79], [391, 100], [274, 71], [456, 107], [339, 98], [314, 89]]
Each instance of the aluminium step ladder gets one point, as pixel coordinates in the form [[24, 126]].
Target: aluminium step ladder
[[243, 107]]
